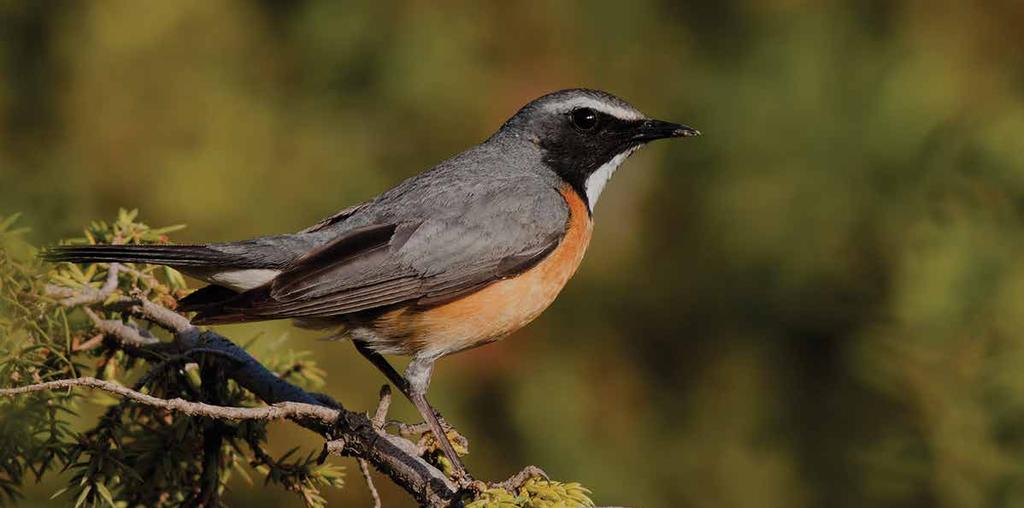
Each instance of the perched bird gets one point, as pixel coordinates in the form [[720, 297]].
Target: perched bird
[[458, 256]]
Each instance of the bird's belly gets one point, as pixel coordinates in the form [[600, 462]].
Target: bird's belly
[[492, 312]]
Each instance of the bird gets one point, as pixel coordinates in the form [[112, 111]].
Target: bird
[[460, 255]]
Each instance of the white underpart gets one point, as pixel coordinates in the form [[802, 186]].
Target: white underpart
[[597, 180], [244, 280]]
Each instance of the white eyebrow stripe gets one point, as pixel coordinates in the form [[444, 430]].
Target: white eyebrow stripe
[[604, 107]]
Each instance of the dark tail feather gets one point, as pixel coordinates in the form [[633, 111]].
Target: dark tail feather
[[222, 313], [222, 309], [211, 304], [202, 319], [206, 298], [173, 255]]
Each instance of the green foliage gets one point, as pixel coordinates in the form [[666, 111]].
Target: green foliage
[[135, 455], [35, 346], [535, 493], [304, 475]]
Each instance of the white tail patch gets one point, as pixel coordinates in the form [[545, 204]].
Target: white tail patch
[[599, 178], [243, 280]]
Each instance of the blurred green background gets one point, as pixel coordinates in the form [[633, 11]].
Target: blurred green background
[[819, 303]]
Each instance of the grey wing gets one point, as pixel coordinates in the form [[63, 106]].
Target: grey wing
[[410, 259]]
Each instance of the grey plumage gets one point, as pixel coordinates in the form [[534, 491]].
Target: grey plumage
[[479, 216], [487, 213], [384, 268]]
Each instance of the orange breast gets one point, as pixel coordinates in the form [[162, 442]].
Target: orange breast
[[496, 310]]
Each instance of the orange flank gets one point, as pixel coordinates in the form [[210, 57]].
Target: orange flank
[[498, 309]]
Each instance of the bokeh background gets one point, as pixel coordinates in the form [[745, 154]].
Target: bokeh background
[[819, 303]]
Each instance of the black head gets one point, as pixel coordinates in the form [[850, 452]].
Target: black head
[[586, 134]]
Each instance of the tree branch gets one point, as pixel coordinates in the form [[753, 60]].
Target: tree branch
[[388, 453], [365, 469], [347, 433], [377, 420], [88, 295], [121, 332], [283, 410]]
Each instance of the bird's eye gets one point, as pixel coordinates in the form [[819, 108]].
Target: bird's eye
[[583, 119]]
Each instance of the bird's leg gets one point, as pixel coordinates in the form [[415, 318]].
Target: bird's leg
[[414, 386], [417, 374], [382, 365]]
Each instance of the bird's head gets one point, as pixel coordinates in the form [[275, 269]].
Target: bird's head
[[586, 134]]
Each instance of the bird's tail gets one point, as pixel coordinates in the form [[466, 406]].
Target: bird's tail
[[172, 255]]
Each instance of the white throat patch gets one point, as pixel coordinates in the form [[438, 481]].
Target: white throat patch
[[597, 180]]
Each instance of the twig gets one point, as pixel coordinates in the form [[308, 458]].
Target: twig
[[93, 343], [383, 406], [517, 480], [161, 316], [88, 295], [120, 331], [283, 410], [408, 429], [377, 420], [148, 277], [365, 469]]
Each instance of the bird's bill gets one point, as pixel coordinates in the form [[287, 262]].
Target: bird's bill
[[649, 130]]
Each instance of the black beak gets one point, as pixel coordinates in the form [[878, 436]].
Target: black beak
[[649, 130]]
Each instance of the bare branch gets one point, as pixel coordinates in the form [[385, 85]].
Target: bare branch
[[88, 295], [93, 343], [365, 469], [284, 410], [381, 414], [149, 278], [377, 419], [517, 480], [161, 316], [121, 332]]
